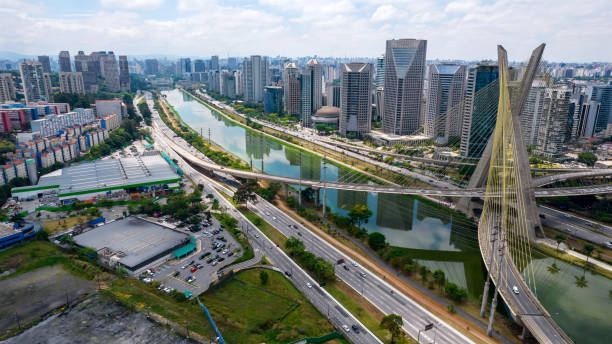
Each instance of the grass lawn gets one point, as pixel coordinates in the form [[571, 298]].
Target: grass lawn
[[61, 224], [602, 253], [248, 312]]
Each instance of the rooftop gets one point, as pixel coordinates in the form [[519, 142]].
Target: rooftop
[[134, 240]]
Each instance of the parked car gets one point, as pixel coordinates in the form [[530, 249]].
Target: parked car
[[176, 273], [220, 259]]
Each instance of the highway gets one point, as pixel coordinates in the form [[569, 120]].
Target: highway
[[319, 297], [576, 226], [374, 289]]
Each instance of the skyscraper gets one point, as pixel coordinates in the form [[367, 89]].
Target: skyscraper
[[214, 62], [404, 74], [333, 95], [151, 66], [532, 112], [183, 66], [46, 64], [356, 98], [256, 76], [553, 124], [291, 89], [124, 73], [7, 88], [109, 70], [314, 68], [199, 66], [603, 95], [380, 71], [306, 99], [91, 69], [32, 78], [231, 63], [273, 96], [64, 61], [445, 93], [480, 109], [71, 82]]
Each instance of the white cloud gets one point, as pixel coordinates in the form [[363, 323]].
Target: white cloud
[[383, 12], [132, 4]]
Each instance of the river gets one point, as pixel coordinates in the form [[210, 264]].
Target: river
[[437, 238]]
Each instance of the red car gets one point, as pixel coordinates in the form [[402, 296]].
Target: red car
[[194, 269], [340, 261]]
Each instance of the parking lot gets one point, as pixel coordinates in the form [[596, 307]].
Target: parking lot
[[216, 249]]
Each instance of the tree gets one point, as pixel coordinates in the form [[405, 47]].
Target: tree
[[423, 272], [359, 213], [588, 250], [295, 245], [17, 218], [455, 292], [376, 240], [392, 323], [587, 158], [553, 269], [581, 282], [308, 194], [246, 192], [263, 277], [194, 219], [559, 238], [440, 277]]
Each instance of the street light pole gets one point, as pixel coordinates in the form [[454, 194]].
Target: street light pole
[[324, 178]]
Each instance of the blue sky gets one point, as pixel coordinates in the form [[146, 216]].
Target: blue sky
[[462, 29]]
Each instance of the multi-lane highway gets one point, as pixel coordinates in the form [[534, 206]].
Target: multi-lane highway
[[576, 226], [377, 291], [319, 297]]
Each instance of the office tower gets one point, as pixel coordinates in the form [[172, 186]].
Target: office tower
[[71, 82], [291, 86], [64, 62], [32, 79], [124, 73], [333, 95], [47, 82], [379, 99], [46, 64], [553, 125], [90, 68], [273, 99], [445, 93], [214, 62], [404, 74], [314, 68], [532, 112], [231, 63], [228, 84], [603, 95], [380, 71], [151, 66], [183, 66], [305, 99], [7, 88], [199, 66], [356, 101], [256, 76], [480, 109], [109, 70]]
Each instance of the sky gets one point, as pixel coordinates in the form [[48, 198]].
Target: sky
[[574, 31]]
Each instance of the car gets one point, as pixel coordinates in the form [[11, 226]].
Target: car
[[294, 226], [346, 328], [191, 262], [168, 290], [345, 267], [190, 279], [274, 218], [355, 328], [230, 254], [288, 273], [160, 287], [515, 289], [354, 264], [184, 266], [219, 249], [176, 273], [308, 285], [340, 261], [214, 263], [147, 280], [256, 235], [220, 259], [210, 260], [224, 251], [300, 233], [204, 255], [199, 266]]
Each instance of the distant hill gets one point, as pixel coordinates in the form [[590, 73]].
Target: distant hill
[[13, 56]]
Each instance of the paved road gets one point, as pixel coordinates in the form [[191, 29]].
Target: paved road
[[322, 300], [576, 226]]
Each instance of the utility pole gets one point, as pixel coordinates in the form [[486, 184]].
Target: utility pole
[[202, 135], [324, 177]]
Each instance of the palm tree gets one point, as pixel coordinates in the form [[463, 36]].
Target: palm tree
[[553, 269], [581, 282], [559, 238]]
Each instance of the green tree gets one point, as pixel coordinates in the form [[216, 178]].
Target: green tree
[[587, 158], [376, 240], [295, 245], [440, 277], [308, 194], [581, 282], [359, 213], [559, 238], [588, 250], [392, 323], [553, 269], [455, 292], [423, 272], [263, 277], [246, 192]]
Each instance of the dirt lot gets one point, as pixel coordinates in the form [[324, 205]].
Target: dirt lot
[[34, 293], [98, 320]]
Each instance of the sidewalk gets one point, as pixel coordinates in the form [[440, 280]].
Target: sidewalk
[[565, 249]]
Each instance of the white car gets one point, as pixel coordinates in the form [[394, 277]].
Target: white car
[[308, 285], [354, 264], [515, 289], [257, 235], [346, 328]]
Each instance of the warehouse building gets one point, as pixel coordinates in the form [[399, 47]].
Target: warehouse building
[[132, 243], [100, 178]]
